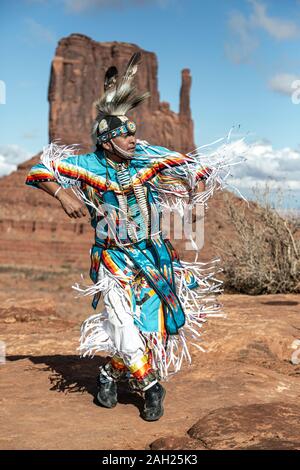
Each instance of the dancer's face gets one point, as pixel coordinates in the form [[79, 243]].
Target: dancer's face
[[125, 142]]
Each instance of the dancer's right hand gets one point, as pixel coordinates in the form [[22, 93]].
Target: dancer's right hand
[[72, 207]]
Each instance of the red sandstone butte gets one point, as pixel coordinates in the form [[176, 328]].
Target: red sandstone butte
[[76, 81], [34, 230]]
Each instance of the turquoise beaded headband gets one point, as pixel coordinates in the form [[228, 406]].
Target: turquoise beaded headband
[[128, 128]]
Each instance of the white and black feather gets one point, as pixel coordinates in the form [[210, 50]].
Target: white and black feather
[[120, 96]]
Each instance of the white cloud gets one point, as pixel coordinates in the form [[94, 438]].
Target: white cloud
[[38, 32], [283, 83], [265, 164], [78, 6], [278, 28], [10, 156], [243, 28], [30, 135], [241, 48]]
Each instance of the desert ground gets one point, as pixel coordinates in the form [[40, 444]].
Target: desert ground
[[242, 393]]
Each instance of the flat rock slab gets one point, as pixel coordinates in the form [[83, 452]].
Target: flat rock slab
[[255, 425]]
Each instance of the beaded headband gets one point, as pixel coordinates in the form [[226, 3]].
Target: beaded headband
[[128, 127]]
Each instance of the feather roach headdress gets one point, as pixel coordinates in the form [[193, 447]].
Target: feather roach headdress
[[120, 96]]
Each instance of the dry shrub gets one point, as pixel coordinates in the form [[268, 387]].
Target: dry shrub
[[263, 255]]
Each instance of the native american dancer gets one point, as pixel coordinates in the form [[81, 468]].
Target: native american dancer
[[154, 303]]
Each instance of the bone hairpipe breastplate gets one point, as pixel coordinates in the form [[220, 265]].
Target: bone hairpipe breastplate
[[134, 206]]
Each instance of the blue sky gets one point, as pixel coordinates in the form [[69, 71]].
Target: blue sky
[[243, 56]]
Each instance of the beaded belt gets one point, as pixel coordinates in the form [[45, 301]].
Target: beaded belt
[[111, 244]]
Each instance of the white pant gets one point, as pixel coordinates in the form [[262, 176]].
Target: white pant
[[119, 325]]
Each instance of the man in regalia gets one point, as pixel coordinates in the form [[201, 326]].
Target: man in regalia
[[154, 303]]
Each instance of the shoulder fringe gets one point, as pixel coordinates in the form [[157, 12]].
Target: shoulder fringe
[[177, 185], [53, 154]]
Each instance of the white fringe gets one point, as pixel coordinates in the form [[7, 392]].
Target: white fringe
[[220, 161], [93, 334], [52, 155], [198, 304], [181, 194], [94, 338]]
